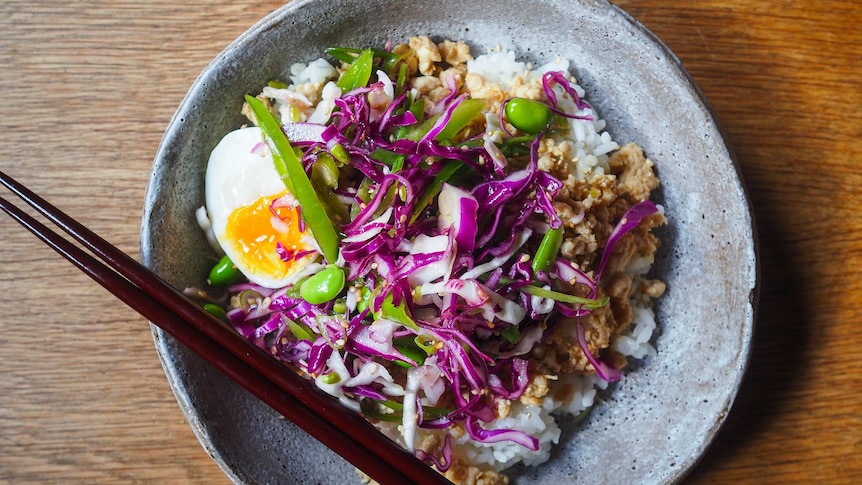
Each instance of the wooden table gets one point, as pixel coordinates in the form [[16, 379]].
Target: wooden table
[[87, 87]]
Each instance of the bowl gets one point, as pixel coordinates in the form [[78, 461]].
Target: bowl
[[651, 427]]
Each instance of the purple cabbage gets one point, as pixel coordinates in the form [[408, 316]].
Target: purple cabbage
[[484, 227]]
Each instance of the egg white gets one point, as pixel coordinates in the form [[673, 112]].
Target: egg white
[[241, 171]]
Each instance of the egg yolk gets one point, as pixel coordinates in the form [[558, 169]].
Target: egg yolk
[[255, 230]]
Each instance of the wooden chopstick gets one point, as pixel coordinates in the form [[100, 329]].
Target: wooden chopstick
[[319, 414]]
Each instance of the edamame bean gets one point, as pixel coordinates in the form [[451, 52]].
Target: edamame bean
[[323, 286], [216, 311], [224, 272], [527, 115]]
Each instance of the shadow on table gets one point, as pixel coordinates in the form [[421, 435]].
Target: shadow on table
[[780, 347]]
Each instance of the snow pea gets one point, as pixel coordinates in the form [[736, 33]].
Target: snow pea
[[462, 115], [358, 74], [293, 175]]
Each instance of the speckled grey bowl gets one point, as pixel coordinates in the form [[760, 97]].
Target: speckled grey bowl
[[654, 425]]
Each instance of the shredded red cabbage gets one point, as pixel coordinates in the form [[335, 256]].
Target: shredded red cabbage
[[436, 266]]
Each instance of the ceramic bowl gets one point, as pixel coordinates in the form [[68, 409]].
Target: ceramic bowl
[[654, 425]]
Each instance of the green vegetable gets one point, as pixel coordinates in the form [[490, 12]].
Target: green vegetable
[[300, 330], [387, 157], [527, 115], [290, 170], [339, 306], [349, 54], [462, 115], [363, 299], [216, 311], [430, 412], [511, 334], [428, 343], [331, 378], [396, 313], [359, 72], [324, 171], [402, 76], [224, 272], [372, 409], [323, 286], [451, 168], [340, 153], [548, 250], [363, 195], [588, 303], [389, 60], [408, 347]]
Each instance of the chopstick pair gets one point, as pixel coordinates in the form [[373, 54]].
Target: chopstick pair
[[297, 399]]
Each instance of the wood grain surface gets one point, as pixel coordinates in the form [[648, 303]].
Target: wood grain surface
[[87, 88]]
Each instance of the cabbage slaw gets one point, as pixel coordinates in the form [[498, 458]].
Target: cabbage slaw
[[440, 231]]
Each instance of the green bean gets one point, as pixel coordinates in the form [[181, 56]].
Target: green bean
[[527, 115], [332, 204], [323, 286], [363, 195], [386, 156], [224, 272], [372, 411], [402, 76], [430, 412], [349, 54], [293, 175], [363, 299], [548, 250], [588, 303]]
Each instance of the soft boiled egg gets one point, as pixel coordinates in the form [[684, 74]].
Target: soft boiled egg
[[256, 221]]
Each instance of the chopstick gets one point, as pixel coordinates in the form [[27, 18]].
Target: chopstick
[[297, 399]]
